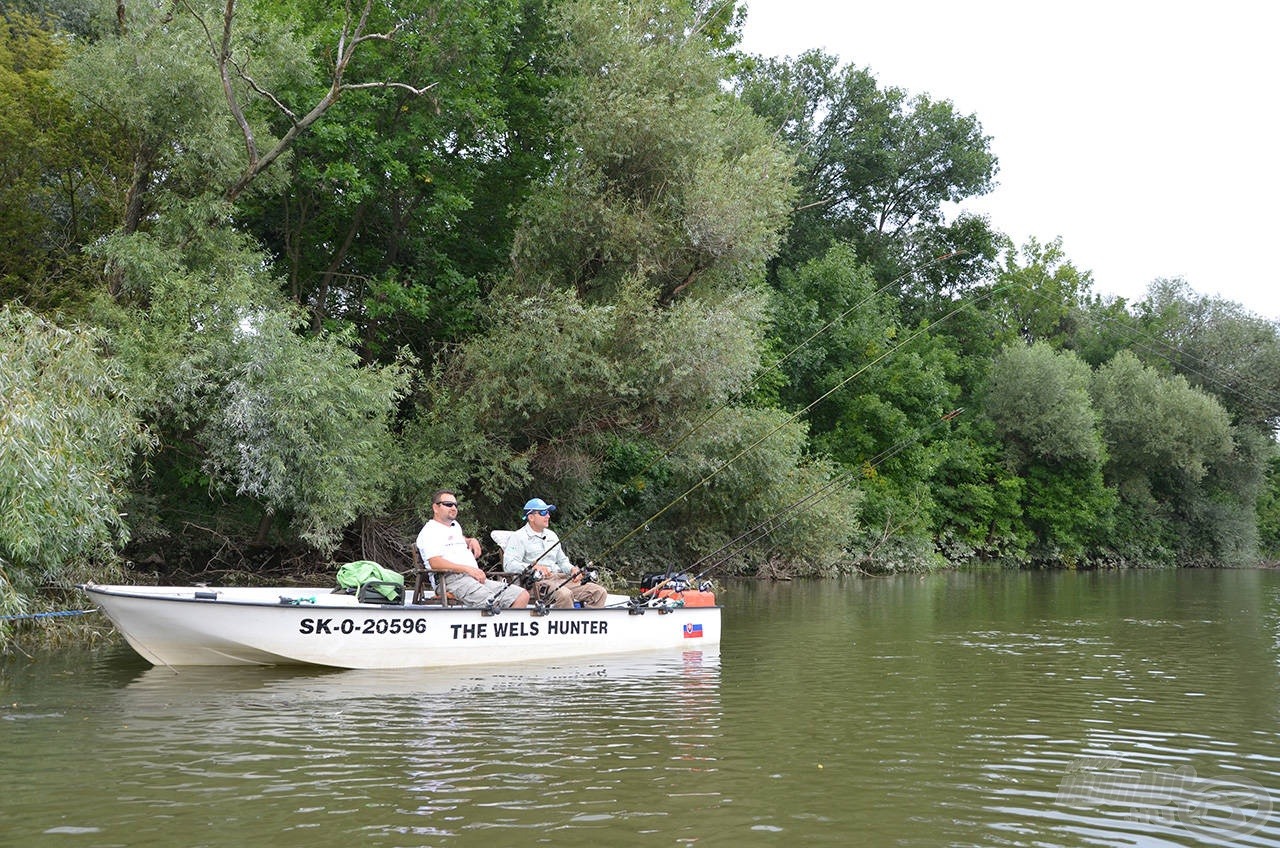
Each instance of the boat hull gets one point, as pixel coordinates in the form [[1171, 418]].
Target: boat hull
[[183, 626]]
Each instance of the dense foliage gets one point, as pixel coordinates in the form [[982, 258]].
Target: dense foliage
[[271, 277]]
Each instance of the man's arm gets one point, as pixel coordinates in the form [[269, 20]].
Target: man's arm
[[439, 563]]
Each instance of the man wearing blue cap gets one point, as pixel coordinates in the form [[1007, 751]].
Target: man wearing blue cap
[[536, 544]]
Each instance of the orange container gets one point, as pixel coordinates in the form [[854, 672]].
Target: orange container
[[690, 597]]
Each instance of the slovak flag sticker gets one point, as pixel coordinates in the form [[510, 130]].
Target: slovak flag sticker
[[693, 631]]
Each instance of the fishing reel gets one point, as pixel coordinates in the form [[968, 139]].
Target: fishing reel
[[527, 579], [672, 582]]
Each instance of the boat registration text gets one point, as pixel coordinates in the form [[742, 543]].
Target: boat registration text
[[388, 625]]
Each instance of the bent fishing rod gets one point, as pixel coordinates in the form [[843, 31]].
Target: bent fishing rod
[[1241, 385], [789, 420], [773, 522], [670, 451]]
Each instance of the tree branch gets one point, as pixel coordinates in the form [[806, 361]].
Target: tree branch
[[230, 70]]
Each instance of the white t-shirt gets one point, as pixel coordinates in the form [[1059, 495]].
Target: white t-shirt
[[446, 540]]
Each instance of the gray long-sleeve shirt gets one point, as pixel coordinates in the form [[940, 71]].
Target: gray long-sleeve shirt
[[524, 546]]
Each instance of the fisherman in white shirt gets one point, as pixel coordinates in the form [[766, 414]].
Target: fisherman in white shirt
[[452, 554]]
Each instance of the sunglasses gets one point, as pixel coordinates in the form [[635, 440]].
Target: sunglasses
[[448, 504], [540, 511]]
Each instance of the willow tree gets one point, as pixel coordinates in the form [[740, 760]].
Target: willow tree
[[254, 420], [69, 437], [1166, 442], [671, 179], [1039, 404], [620, 345]]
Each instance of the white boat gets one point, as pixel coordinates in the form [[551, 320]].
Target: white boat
[[196, 625]]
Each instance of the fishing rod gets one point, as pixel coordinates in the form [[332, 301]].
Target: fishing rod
[[574, 574], [772, 523], [789, 513], [491, 606], [790, 419], [670, 451], [528, 578], [31, 616], [1207, 371]]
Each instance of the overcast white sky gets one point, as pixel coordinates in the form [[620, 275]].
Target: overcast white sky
[[1143, 133]]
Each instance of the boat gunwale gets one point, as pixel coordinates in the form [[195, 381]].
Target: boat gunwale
[[114, 591]]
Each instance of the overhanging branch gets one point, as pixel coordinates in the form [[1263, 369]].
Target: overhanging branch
[[230, 70]]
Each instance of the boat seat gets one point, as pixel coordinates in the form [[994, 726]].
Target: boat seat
[[499, 538], [425, 578]]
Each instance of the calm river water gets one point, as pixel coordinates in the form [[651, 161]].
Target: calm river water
[[1001, 709]]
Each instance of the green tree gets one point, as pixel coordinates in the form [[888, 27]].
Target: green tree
[[877, 380], [303, 430], [875, 164], [740, 495], [26, 55], [51, 190], [400, 206], [1103, 328], [1269, 506], [1163, 439], [1038, 401], [1040, 292], [874, 393], [68, 439], [1218, 346], [177, 150], [672, 180], [1157, 429], [249, 410], [979, 498], [254, 420]]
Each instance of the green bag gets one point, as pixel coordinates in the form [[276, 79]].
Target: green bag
[[389, 584]]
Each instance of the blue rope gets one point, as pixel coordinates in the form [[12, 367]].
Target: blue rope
[[46, 614]]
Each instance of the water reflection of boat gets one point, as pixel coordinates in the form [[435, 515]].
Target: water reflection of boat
[[192, 626], [176, 685], [168, 686], [301, 742], [442, 708]]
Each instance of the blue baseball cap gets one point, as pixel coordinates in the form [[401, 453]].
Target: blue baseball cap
[[537, 504]]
